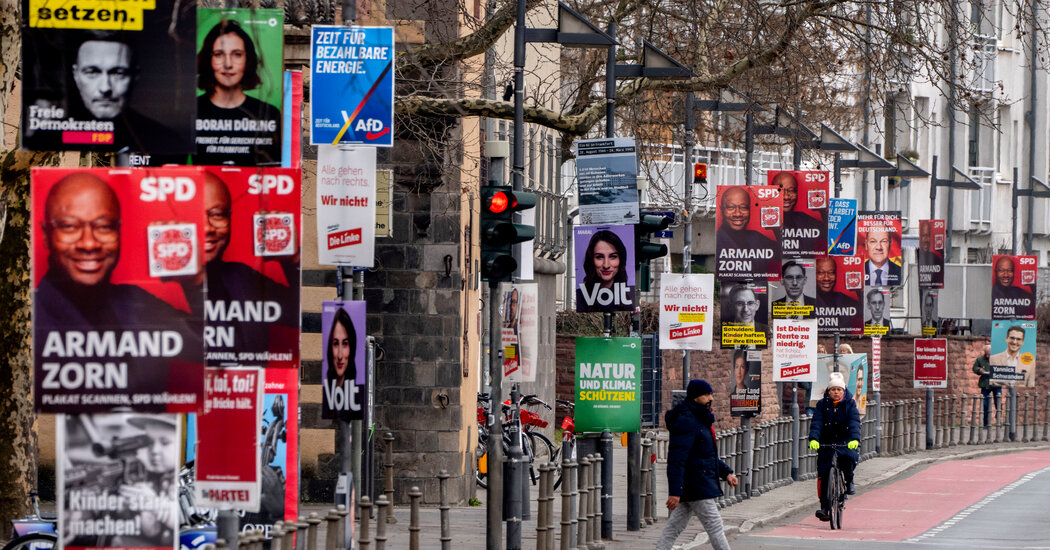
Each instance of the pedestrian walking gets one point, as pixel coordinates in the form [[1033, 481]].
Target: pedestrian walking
[[693, 468], [989, 389]]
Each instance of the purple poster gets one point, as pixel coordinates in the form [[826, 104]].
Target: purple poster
[[604, 268], [343, 364]]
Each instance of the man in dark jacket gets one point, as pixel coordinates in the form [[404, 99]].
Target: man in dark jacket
[[990, 390], [836, 420], [693, 468]]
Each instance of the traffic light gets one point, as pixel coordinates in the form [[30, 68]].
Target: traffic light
[[499, 233], [645, 250], [700, 172]]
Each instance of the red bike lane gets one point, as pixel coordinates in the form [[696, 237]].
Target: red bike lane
[[912, 506]]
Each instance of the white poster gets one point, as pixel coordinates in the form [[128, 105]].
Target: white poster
[[346, 209], [876, 363], [794, 350], [520, 331], [686, 302]]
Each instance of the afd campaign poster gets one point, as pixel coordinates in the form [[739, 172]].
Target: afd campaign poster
[[1014, 352], [278, 453], [805, 224], [1013, 287], [686, 310], [344, 366], [240, 82], [608, 384], [107, 76], [794, 350], [840, 285], [747, 232], [879, 234], [794, 296], [117, 481], [519, 330], [842, 227], [607, 180], [931, 253], [745, 379], [118, 290], [604, 268], [352, 86], [252, 251], [854, 368], [227, 463], [931, 363], [744, 314], [346, 205]]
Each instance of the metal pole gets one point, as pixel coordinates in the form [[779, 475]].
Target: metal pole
[[605, 443], [1013, 216], [610, 85], [356, 426], [494, 516], [749, 146], [1030, 119], [878, 181], [687, 223], [513, 485], [795, 431], [745, 426], [1012, 414], [952, 40], [838, 175], [606, 452], [948, 250]]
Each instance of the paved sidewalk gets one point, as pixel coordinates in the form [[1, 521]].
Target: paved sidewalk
[[468, 523]]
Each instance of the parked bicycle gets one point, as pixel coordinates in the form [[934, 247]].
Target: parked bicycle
[[535, 447], [567, 449]]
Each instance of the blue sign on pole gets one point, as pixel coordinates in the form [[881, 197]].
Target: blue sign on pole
[[842, 227], [352, 86]]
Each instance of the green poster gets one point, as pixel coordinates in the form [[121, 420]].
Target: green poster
[[608, 384]]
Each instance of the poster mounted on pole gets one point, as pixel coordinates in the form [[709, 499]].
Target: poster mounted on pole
[[876, 363], [853, 367], [840, 284], [879, 234], [346, 205], [931, 363], [278, 453], [608, 384], [226, 465], [745, 309], [344, 365], [794, 350], [1014, 352], [805, 193], [686, 303], [604, 268], [842, 227], [607, 180], [747, 232], [876, 311], [931, 253], [1013, 287], [519, 331], [794, 297], [928, 313], [745, 392]]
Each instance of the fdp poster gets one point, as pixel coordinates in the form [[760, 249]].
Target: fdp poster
[[240, 83], [879, 234], [840, 284], [745, 376], [346, 205], [686, 315], [608, 384], [278, 453], [108, 76], [604, 268], [344, 365], [794, 350], [607, 180], [876, 310], [928, 313], [352, 86], [853, 366], [931, 363], [794, 297], [805, 193], [118, 295], [842, 227], [519, 324], [1013, 287], [931, 253], [745, 308], [226, 450], [747, 232], [1013, 357]]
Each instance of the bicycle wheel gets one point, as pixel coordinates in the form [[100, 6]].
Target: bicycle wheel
[[33, 541], [542, 448], [836, 490]]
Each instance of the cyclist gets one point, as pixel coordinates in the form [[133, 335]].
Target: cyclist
[[835, 420]]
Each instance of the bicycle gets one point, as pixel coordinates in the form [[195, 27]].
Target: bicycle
[[533, 444], [836, 487], [568, 440], [33, 532]]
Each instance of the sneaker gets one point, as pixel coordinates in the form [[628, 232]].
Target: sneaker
[[823, 515], [850, 490]]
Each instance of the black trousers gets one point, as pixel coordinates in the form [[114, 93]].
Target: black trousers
[[846, 464]]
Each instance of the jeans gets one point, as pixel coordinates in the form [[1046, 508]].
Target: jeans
[[707, 511], [997, 391]]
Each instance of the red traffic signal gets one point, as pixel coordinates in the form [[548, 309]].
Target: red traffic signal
[[700, 172], [498, 202]]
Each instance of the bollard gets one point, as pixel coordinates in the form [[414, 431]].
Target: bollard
[[277, 534], [596, 502], [414, 494], [552, 469], [574, 503], [381, 520], [331, 531], [288, 542], [388, 467], [1024, 419], [1046, 419], [567, 467], [646, 472], [344, 534], [363, 539], [446, 528], [220, 544], [311, 531], [541, 510], [300, 539], [584, 476]]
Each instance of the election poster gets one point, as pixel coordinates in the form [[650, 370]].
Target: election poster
[[1013, 287], [607, 180], [1013, 352], [876, 363], [604, 268], [252, 248], [108, 76], [794, 350], [745, 376], [931, 253], [745, 311], [805, 224], [876, 310], [931, 363], [118, 295], [117, 481], [227, 464], [608, 384], [842, 227], [794, 296], [747, 232], [352, 86], [879, 234], [852, 366], [519, 327], [857, 380], [686, 314], [928, 311], [292, 127], [840, 287], [240, 82], [346, 205], [344, 366], [278, 453]]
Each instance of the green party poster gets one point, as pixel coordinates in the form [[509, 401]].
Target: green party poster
[[608, 384]]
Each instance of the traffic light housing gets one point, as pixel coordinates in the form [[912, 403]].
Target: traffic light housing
[[499, 233], [646, 250], [700, 172]]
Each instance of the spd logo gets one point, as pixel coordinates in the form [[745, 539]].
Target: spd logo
[[770, 216], [1027, 276], [767, 192], [172, 250], [818, 198], [854, 280]]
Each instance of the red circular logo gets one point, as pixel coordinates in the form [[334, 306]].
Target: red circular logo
[[173, 249], [275, 233]]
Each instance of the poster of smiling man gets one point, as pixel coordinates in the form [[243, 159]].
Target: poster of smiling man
[[604, 268], [747, 232], [879, 245], [805, 226], [1013, 287]]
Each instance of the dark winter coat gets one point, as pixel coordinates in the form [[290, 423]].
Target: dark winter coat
[[693, 466], [835, 423]]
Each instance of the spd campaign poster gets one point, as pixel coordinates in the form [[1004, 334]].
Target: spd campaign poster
[[252, 251], [105, 76], [352, 86], [226, 466], [852, 366], [604, 268], [118, 289], [794, 297], [931, 363], [842, 227], [519, 328], [876, 310], [805, 224], [240, 82], [686, 310], [117, 481], [745, 378], [794, 350], [344, 365], [747, 232], [928, 313], [1013, 352], [278, 453], [840, 286], [608, 384], [1013, 286], [931, 253], [745, 310], [879, 234], [346, 205], [607, 180]]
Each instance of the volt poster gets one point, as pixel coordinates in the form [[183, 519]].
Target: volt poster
[[346, 205], [607, 180], [686, 311], [604, 268], [608, 384], [344, 365], [226, 457]]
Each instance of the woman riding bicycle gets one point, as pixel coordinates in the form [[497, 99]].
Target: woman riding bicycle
[[836, 420]]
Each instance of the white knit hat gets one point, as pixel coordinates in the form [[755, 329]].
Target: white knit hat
[[837, 381]]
